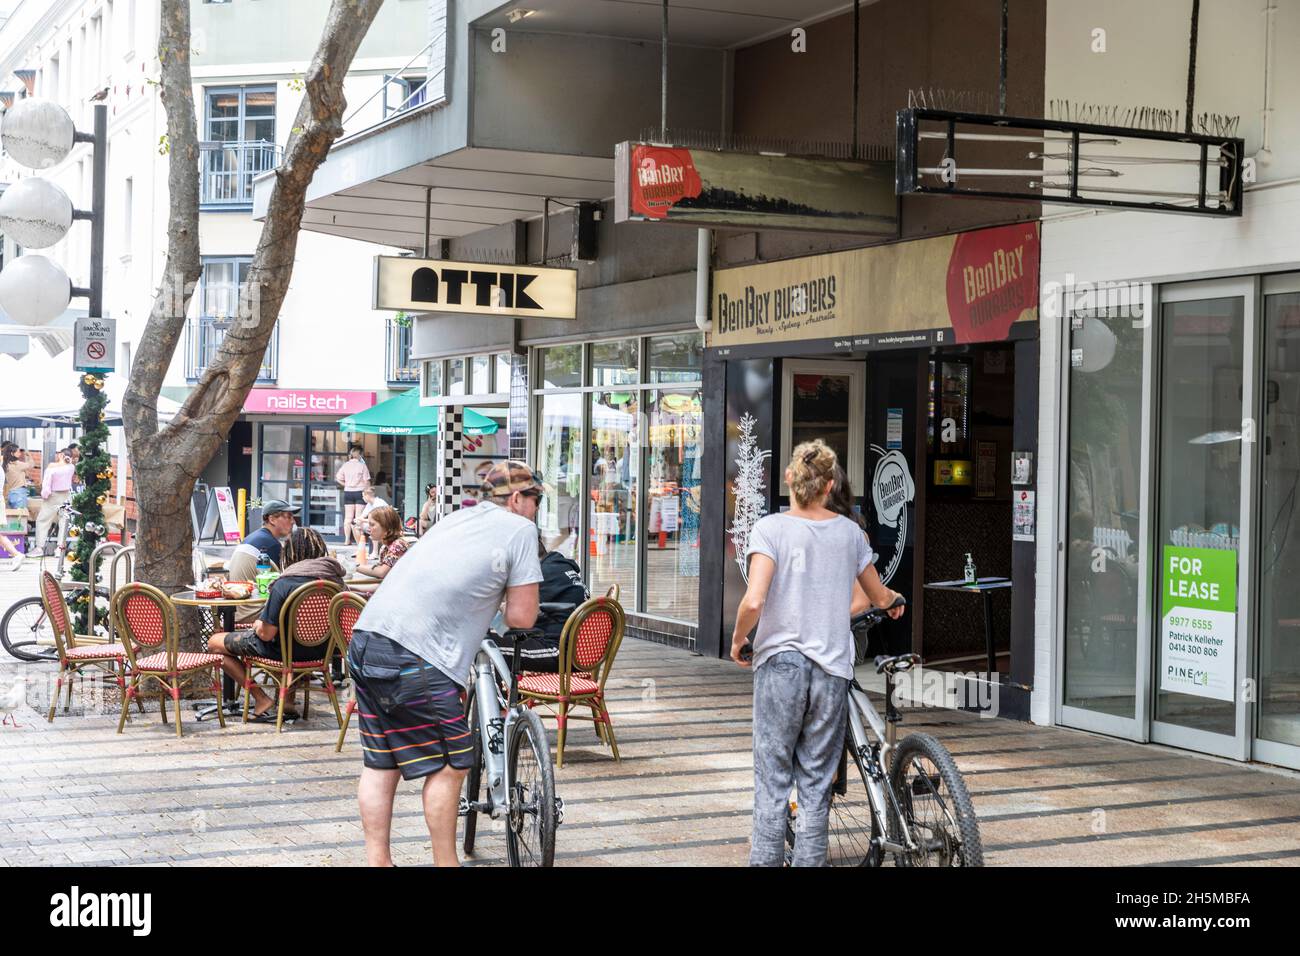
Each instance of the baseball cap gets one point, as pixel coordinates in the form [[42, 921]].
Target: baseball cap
[[272, 505], [506, 477]]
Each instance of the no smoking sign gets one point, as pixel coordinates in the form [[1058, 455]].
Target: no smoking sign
[[93, 341]]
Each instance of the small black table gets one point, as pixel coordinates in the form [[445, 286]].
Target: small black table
[[984, 587]]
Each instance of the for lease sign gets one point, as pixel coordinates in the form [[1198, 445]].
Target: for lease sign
[[1198, 628]]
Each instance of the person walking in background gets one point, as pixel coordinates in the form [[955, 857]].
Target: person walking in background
[[352, 476], [17, 475], [56, 486], [802, 565]]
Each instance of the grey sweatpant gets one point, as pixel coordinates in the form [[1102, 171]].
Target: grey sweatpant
[[799, 717]]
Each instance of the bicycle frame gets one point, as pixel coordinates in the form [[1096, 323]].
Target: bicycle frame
[[492, 725], [876, 758]]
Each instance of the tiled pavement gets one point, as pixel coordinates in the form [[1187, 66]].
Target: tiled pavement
[[75, 792]]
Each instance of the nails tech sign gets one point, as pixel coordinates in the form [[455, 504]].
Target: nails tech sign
[[476, 288]]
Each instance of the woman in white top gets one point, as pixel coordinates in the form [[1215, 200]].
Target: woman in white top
[[803, 564], [353, 477]]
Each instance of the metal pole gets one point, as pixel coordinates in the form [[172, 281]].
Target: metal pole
[[853, 146], [428, 212], [663, 76], [1191, 64], [97, 202], [1002, 63]]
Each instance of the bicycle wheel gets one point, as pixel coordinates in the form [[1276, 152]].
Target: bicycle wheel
[[474, 779], [530, 823], [851, 828], [936, 805], [26, 632]]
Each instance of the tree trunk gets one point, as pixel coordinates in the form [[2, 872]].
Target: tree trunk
[[167, 462]]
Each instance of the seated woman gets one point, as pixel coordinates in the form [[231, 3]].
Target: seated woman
[[386, 529], [305, 559]]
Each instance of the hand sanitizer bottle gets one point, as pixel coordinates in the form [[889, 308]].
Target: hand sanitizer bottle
[[970, 570]]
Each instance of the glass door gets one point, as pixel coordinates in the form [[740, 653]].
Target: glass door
[[1205, 456], [1104, 486], [1278, 720]]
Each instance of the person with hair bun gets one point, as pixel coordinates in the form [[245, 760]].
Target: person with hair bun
[[802, 567]]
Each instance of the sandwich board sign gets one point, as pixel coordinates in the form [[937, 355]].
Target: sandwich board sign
[[94, 344]]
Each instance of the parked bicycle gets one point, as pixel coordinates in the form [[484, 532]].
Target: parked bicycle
[[25, 631], [512, 775], [908, 799]]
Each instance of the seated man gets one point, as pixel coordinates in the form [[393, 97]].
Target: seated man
[[561, 584], [277, 523], [306, 559]]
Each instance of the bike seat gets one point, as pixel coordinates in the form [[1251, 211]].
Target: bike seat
[[899, 662]]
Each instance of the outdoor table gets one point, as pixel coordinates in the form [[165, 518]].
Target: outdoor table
[[984, 587], [225, 607]]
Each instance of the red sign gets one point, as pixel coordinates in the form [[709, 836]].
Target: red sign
[[660, 178], [293, 401], [992, 279]]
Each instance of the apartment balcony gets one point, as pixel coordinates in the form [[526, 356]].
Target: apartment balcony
[[227, 171], [203, 338]]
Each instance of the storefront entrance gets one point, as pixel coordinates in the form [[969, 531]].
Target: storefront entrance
[[1181, 617]]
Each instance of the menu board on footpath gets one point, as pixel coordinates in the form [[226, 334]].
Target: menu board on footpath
[[1198, 624]]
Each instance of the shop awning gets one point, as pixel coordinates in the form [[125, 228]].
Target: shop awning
[[404, 415]]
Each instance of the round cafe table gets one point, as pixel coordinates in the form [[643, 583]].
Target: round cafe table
[[223, 609]]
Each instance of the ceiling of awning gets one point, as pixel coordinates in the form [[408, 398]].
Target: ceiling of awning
[[720, 24], [472, 190]]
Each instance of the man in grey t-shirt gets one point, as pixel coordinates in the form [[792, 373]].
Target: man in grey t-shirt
[[414, 644]]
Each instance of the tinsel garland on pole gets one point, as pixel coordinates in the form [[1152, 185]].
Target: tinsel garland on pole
[[95, 477]]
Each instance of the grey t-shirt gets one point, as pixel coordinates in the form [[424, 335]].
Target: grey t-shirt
[[438, 601], [807, 607]]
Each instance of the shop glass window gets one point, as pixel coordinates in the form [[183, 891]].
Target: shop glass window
[[502, 384], [672, 554], [614, 452], [1101, 562], [433, 379], [615, 363], [1279, 562], [1199, 487], [561, 366], [560, 459], [479, 384], [676, 358], [282, 438], [456, 376]]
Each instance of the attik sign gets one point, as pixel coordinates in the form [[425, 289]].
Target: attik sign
[[438, 285]]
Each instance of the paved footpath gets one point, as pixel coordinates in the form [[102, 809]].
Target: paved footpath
[[74, 792]]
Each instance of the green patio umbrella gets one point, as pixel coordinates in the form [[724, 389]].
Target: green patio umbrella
[[404, 415]]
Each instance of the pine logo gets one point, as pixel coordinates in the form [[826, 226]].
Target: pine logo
[[77, 909]]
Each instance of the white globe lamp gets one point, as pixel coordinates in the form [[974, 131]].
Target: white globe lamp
[[35, 213], [34, 290], [37, 133]]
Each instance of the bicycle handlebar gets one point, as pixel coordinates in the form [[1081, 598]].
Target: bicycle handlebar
[[868, 618]]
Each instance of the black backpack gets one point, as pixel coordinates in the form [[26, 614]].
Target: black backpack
[[561, 584]]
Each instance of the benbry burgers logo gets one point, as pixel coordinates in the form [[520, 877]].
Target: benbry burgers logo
[[992, 281], [661, 178]]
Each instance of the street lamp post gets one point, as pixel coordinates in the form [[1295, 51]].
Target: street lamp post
[[34, 290]]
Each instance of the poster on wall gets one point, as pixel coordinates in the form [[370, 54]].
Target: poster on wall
[[1022, 515], [1198, 622], [749, 471]]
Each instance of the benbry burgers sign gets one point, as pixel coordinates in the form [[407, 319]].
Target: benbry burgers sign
[[967, 288]]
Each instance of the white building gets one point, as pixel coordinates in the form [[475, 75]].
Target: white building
[[248, 59]]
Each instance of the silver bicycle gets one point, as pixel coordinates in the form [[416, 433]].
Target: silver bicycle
[[906, 799], [512, 775]]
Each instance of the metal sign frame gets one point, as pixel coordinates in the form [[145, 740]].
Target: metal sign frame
[[908, 178]]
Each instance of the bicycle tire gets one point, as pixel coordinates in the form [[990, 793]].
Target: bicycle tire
[[13, 643], [473, 779], [942, 847], [530, 796], [844, 844]]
